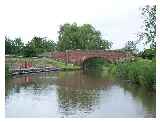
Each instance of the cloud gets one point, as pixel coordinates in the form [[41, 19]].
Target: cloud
[[118, 20]]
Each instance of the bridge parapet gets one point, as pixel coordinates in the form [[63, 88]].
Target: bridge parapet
[[79, 56]]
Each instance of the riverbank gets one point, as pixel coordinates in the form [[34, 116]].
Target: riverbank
[[16, 66], [141, 72]]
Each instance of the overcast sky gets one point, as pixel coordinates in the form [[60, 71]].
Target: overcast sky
[[118, 20]]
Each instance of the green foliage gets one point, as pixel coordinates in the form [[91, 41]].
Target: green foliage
[[7, 73], [8, 46], [49, 45], [13, 46], [29, 51], [73, 37], [148, 54], [95, 63], [70, 37], [149, 14], [35, 47], [130, 46], [141, 71]]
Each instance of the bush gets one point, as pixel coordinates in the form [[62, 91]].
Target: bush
[[141, 71], [148, 54]]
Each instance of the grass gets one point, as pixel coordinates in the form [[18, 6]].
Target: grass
[[141, 71], [39, 63]]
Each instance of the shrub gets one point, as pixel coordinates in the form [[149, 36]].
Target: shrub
[[148, 54], [141, 71]]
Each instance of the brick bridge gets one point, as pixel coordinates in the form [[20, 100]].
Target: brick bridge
[[80, 56]]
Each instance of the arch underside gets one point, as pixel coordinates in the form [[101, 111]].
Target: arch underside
[[96, 57], [105, 58], [78, 58], [85, 60]]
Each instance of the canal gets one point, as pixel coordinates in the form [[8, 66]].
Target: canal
[[76, 94]]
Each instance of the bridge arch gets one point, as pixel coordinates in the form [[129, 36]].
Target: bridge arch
[[78, 57], [85, 60]]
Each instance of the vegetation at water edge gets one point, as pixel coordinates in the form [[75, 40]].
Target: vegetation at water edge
[[141, 71]]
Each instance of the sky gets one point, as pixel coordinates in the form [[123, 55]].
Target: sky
[[118, 20]]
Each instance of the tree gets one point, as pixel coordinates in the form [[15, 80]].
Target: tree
[[13, 46], [29, 51], [149, 14], [49, 45], [148, 54], [8, 45], [72, 36], [37, 46], [17, 46], [130, 46]]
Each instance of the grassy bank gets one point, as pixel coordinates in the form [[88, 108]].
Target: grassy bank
[[141, 71], [15, 63]]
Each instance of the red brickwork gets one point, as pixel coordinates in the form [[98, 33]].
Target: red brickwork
[[79, 56]]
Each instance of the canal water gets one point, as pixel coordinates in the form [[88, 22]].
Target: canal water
[[76, 94]]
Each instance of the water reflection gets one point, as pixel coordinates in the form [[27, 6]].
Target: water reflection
[[148, 99], [75, 94], [79, 92], [72, 102]]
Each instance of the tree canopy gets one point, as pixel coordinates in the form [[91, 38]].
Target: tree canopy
[[34, 47], [13, 46], [149, 14], [38, 45], [72, 36], [131, 46]]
